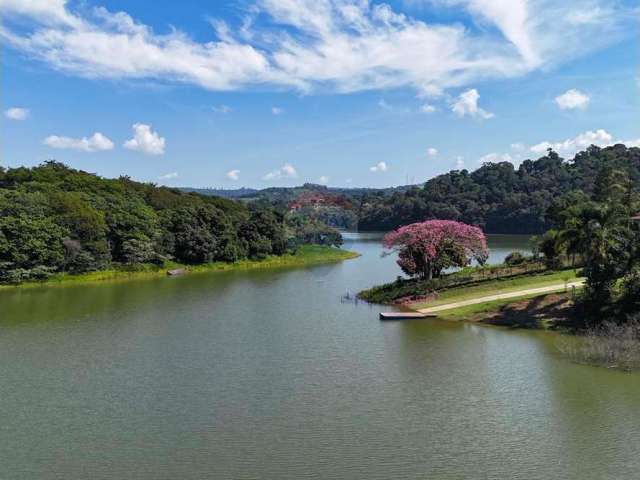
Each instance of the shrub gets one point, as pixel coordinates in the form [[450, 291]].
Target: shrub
[[515, 258]]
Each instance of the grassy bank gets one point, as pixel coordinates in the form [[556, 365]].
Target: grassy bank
[[492, 287], [307, 255], [472, 282]]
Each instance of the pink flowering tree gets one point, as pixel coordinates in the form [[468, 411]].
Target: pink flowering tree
[[425, 249]]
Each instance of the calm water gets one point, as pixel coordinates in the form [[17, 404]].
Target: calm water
[[268, 375]]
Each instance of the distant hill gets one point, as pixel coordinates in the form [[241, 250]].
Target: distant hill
[[222, 192], [501, 198], [498, 197], [288, 194]]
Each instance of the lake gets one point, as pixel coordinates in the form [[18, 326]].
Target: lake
[[269, 375]]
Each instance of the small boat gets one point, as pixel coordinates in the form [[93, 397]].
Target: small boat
[[404, 315]]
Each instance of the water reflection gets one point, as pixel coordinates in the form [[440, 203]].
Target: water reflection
[[269, 375]]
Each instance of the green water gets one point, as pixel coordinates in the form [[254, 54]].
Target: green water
[[269, 375]]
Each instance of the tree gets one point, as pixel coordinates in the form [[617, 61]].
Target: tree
[[550, 246], [515, 258], [425, 249]]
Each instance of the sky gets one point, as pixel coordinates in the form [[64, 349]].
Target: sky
[[261, 93]]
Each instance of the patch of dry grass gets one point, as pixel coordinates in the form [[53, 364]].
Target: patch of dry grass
[[610, 345]]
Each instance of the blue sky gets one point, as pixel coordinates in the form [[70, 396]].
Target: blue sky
[[344, 92]]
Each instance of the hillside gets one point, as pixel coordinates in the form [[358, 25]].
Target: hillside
[[56, 219], [499, 197]]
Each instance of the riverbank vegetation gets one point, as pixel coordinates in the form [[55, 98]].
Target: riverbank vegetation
[[467, 283], [610, 344], [304, 256], [55, 220]]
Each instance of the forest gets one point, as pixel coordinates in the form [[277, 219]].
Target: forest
[[56, 219], [498, 197]]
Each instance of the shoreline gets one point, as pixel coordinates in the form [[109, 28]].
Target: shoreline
[[307, 255]]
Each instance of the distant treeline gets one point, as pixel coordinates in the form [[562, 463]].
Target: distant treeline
[[57, 219], [497, 196]]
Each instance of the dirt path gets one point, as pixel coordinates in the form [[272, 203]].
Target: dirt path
[[501, 296]]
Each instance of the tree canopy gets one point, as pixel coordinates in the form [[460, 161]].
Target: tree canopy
[[57, 219], [425, 249], [499, 197]]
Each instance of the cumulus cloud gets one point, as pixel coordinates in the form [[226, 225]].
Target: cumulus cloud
[[427, 108], [379, 167], [459, 163], [309, 45], [495, 158], [570, 146], [222, 109], [277, 111], [145, 140], [233, 175], [432, 152], [168, 176], [286, 171], [323, 180], [95, 143], [573, 99], [467, 104], [16, 113]]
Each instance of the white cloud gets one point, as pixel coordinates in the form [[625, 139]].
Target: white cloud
[[518, 146], [573, 99], [323, 180], [277, 111], [95, 143], [432, 152], [168, 176], [589, 16], [222, 109], [233, 175], [379, 167], [459, 163], [570, 146], [427, 108], [286, 171], [467, 104], [145, 140], [495, 158], [16, 113], [309, 45]]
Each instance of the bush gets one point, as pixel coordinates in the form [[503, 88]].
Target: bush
[[515, 258]]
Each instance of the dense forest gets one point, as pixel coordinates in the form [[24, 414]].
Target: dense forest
[[498, 197], [600, 231], [57, 219]]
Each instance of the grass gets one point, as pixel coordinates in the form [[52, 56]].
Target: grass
[[610, 345], [485, 308], [410, 290], [306, 255], [494, 287]]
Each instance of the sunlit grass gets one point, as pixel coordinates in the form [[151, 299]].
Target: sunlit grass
[[495, 287], [306, 255]]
